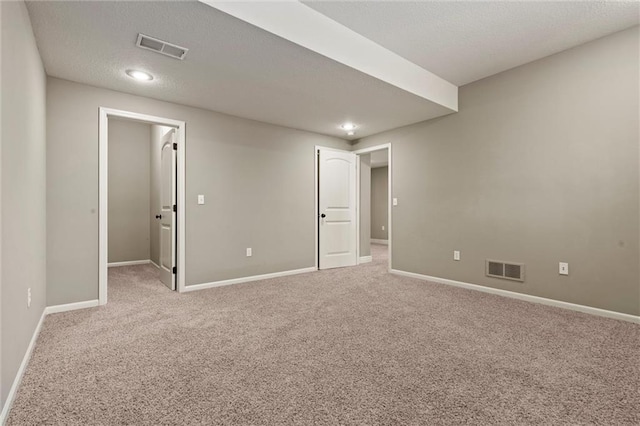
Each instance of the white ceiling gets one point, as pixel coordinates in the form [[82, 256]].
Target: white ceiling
[[464, 41], [232, 67], [300, 24], [236, 68]]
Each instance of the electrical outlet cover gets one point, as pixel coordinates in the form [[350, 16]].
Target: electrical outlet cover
[[563, 268]]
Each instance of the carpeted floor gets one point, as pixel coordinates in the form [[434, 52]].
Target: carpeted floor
[[343, 346]]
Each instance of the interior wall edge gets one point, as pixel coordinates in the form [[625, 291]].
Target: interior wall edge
[[6, 407], [523, 296]]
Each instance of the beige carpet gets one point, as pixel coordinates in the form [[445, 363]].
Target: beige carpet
[[344, 346]]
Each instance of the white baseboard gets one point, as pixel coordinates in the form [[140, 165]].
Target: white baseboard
[[154, 264], [365, 259], [71, 306], [4, 415], [27, 356], [129, 263], [525, 297], [249, 279], [376, 241]]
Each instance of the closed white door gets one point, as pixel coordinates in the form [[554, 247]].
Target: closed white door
[[168, 210], [337, 208]]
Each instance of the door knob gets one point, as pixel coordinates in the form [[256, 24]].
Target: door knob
[[323, 215], [158, 216]]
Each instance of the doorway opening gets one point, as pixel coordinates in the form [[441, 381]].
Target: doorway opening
[[374, 200], [142, 181], [344, 205], [374, 205]]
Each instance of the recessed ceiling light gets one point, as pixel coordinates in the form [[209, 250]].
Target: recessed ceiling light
[[351, 133], [348, 126], [139, 75]]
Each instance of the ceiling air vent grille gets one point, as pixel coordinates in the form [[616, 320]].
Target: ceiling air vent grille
[[162, 47], [505, 270]]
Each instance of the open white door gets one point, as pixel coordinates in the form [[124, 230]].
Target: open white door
[[337, 231], [168, 210]]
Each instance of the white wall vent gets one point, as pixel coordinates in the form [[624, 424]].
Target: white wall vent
[[505, 270], [162, 47]]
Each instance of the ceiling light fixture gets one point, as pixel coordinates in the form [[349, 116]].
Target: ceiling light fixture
[[139, 75], [348, 126]]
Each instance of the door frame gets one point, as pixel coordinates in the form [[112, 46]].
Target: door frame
[[368, 150], [103, 172], [358, 152]]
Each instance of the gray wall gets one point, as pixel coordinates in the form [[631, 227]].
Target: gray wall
[[129, 190], [380, 203], [365, 205], [22, 188], [157, 132], [2, 398], [539, 166], [258, 180]]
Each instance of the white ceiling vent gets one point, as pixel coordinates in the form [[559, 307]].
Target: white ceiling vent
[[162, 47]]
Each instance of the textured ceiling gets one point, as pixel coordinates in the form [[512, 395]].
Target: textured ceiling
[[232, 67], [236, 68], [464, 41]]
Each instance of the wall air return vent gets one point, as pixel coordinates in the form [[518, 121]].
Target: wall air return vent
[[505, 270], [162, 47]]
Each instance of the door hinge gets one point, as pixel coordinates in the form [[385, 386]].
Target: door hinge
[[175, 270], [175, 146], [175, 208]]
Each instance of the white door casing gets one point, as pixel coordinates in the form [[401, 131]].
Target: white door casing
[[368, 150], [103, 150], [167, 213], [336, 208]]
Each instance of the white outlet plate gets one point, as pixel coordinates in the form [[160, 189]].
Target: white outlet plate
[[563, 268], [383, 227], [456, 255], [200, 199], [395, 201], [249, 252], [29, 297]]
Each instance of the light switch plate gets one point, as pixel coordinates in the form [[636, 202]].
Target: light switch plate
[[395, 201], [456, 255], [563, 268], [200, 199], [249, 252]]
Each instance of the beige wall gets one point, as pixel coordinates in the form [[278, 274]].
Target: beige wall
[[539, 166], [380, 203], [157, 132], [365, 205], [258, 180], [23, 212], [129, 190]]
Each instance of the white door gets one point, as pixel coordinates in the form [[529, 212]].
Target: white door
[[336, 208], [168, 210]]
